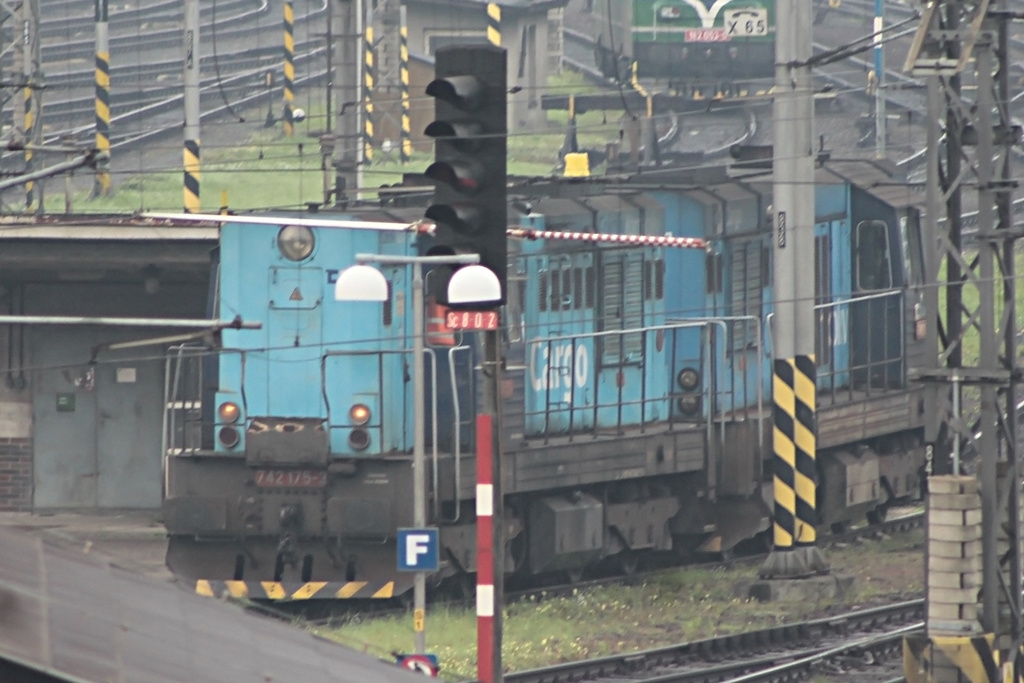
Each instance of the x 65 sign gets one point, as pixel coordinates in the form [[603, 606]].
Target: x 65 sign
[[471, 320]]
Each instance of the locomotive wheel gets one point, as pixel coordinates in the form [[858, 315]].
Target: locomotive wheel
[[628, 562], [878, 515]]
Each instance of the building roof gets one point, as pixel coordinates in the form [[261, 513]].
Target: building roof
[[75, 617]]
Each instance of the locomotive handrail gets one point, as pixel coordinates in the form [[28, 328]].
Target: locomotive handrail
[[672, 327], [457, 412], [723, 320], [353, 352], [457, 440], [849, 300]]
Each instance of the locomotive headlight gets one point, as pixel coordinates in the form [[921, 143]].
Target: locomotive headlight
[[228, 436], [359, 414], [359, 439], [688, 378], [295, 242], [229, 412], [689, 405]]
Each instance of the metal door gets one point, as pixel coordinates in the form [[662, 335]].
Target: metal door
[[294, 338], [96, 428]]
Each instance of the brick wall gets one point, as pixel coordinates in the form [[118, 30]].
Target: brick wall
[[15, 474]]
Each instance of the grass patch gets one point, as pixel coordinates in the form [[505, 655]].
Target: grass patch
[[268, 170], [673, 607]]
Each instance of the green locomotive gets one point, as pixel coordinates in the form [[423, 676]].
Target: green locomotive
[[700, 47]]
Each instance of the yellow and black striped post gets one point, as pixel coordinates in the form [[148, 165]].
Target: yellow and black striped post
[[191, 185], [369, 81], [101, 185], [30, 120], [403, 73], [289, 67], [794, 444], [793, 440], [969, 658], [494, 23]]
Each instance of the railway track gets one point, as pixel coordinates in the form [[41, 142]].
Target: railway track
[[695, 137], [460, 594], [789, 652], [241, 43]]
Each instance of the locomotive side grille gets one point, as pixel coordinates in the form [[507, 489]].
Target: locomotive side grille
[[746, 290], [622, 308]]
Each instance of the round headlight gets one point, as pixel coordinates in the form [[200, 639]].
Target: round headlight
[[359, 414], [688, 379], [228, 412], [228, 436], [295, 242], [689, 405], [359, 439]]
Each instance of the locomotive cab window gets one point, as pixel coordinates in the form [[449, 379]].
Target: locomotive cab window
[[872, 267]]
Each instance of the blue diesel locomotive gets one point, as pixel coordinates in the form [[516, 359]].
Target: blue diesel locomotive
[[635, 394]]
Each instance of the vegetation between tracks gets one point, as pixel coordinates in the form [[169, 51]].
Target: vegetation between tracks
[[672, 607], [260, 168]]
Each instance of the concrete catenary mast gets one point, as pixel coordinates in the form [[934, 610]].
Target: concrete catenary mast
[[956, 41], [190, 80], [101, 184], [27, 52], [794, 553], [347, 45]]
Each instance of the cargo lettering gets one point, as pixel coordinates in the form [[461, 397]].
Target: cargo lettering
[[559, 366]]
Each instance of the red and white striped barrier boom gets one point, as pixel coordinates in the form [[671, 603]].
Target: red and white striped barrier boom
[[425, 227]]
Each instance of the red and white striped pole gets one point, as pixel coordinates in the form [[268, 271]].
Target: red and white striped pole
[[485, 606]]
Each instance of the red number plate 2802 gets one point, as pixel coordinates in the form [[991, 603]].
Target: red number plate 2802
[[291, 479]]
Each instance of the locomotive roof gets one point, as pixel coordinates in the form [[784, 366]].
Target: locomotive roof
[[879, 178], [77, 617]]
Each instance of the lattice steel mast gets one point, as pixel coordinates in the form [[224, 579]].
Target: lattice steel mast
[[968, 40]]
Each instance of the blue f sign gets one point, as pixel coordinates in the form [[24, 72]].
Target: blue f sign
[[418, 549]]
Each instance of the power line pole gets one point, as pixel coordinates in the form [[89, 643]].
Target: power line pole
[[979, 135], [795, 553], [190, 80], [345, 30], [879, 80], [28, 44], [101, 184]]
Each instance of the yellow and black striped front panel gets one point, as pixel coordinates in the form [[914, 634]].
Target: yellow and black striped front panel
[[931, 659], [793, 439], [310, 590], [494, 23]]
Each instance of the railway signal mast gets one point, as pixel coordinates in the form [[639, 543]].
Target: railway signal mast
[[470, 212], [965, 636]]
